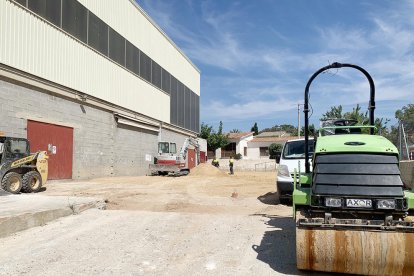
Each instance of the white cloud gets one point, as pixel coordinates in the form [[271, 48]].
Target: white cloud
[[260, 81], [397, 39], [338, 39], [222, 51], [247, 110]]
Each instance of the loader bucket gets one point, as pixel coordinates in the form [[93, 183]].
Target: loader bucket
[[42, 165], [355, 252]]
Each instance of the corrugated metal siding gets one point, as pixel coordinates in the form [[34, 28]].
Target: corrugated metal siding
[[34, 46], [135, 27]]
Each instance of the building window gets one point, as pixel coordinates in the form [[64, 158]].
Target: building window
[[245, 151], [166, 82], [22, 2], [74, 19], [156, 74], [173, 101], [187, 114], [132, 57], [145, 66], [229, 150], [48, 9], [192, 111], [98, 34], [116, 47], [197, 113], [180, 104], [264, 151]]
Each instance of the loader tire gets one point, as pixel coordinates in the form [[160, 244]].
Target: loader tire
[[32, 182], [12, 183]]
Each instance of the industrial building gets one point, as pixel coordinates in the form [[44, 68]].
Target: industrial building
[[95, 83]]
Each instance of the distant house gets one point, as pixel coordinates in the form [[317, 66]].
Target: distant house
[[237, 144], [203, 149], [251, 147], [258, 147], [279, 133]]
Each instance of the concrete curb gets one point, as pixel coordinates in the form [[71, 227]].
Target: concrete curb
[[19, 221]]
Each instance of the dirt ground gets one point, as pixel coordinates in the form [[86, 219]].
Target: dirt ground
[[206, 223], [206, 190]]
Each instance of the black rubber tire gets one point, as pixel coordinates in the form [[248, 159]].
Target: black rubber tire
[[185, 172], [12, 182], [32, 182]]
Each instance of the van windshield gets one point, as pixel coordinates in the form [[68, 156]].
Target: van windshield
[[296, 149]]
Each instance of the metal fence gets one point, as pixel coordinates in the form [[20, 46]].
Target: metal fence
[[265, 166]]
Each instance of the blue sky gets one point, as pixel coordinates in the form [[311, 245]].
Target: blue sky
[[256, 56]]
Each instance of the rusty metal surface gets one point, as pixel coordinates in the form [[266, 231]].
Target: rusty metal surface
[[41, 135], [355, 252]]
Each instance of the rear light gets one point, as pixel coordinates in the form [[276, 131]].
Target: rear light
[[333, 202], [386, 204]]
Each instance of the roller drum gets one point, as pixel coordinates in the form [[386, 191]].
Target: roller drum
[[355, 251]]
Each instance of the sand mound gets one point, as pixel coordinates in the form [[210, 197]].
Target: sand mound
[[206, 169]]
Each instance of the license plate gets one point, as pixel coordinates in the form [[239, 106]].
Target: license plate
[[359, 203]]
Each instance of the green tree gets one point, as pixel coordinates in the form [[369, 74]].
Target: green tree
[[405, 115], [287, 128], [215, 140], [363, 119], [292, 130], [358, 115], [255, 129], [275, 149], [235, 130], [220, 128], [205, 131], [312, 130], [334, 113]]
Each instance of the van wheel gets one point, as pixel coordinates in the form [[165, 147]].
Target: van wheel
[[12, 183], [32, 182]]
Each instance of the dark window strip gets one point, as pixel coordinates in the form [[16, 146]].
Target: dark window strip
[[75, 19]]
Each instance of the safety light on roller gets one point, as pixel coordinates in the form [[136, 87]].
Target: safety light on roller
[[333, 202], [386, 204]]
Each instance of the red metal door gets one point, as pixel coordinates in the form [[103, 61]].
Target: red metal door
[[191, 158], [58, 142], [203, 158]]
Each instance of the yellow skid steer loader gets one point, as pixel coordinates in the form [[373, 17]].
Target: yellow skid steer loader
[[20, 170]]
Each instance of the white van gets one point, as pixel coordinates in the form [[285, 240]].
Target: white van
[[293, 153]]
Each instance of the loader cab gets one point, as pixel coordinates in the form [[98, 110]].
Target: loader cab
[[167, 148], [12, 148]]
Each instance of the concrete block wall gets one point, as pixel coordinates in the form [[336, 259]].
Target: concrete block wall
[[131, 147], [93, 140], [100, 147], [259, 165], [12, 102], [173, 137]]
